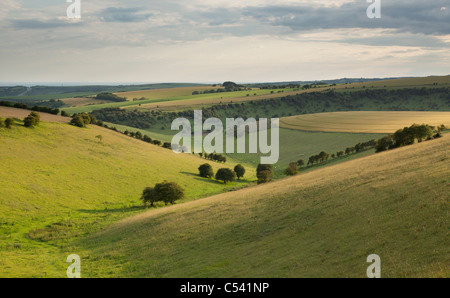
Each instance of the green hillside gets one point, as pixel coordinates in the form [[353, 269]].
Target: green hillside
[[322, 223], [59, 182]]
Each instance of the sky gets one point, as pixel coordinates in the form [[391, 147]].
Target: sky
[[213, 41]]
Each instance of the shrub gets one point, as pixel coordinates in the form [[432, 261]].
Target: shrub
[[9, 122], [32, 120], [226, 175], [292, 169], [168, 192], [240, 171], [206, 171], [264, 173]]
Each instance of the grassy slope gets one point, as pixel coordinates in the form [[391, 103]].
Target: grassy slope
[[60, 174], [320, 224], [363, 121]]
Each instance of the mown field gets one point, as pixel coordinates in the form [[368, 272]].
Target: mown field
[[320, 224], [60, 182], [364, 121]]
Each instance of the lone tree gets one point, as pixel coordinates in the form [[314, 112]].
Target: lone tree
[[9, 122], [239, 170], [264, 173], [292, 169], [169, 192], [149, 196], [226, 175], [206, 171]]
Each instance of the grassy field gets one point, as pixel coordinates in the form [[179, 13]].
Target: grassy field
[[320, 224], [363, 121], [60, 182], [294, 145]]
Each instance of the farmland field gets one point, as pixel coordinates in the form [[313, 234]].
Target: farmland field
[[363, 121]]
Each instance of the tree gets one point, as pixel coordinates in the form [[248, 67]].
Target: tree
[[168, 192], [300, 163], [9, 122], [264, 173], [239, 170], [292, 169], [226, 175], [206, 171], [32, 120], [78, 120], [149, 196]]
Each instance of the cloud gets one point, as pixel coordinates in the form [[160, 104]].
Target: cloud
[[124, 15]]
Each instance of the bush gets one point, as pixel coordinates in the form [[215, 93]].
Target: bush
[[149, 196], [206, 171], [78, 120], [264, 173], [167, 192], [292, 169], [9, 122], [226, 175], [240, 171], [32, 120]]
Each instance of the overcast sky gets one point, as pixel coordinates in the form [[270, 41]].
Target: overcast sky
[[219, 40]]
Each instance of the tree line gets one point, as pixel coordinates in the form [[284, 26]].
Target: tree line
[[19, 105]]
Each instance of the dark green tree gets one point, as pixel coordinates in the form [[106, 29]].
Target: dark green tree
[[225, 175], [264, 173], [239, 170], [169, 192], [9, 122], [206, 171]]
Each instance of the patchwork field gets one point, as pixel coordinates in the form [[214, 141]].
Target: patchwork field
[[320, 224], [363, 122]]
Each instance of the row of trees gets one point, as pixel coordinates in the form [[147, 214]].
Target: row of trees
[[224, 174], [83, 119], [408, 136], [214, 157], [19, 105], [110, 96]]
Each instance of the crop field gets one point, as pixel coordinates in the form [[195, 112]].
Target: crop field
[[322, 223], [363, 121], [60, 182]]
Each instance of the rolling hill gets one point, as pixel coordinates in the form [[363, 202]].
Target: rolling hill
[[320, 224], [59, 182]]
